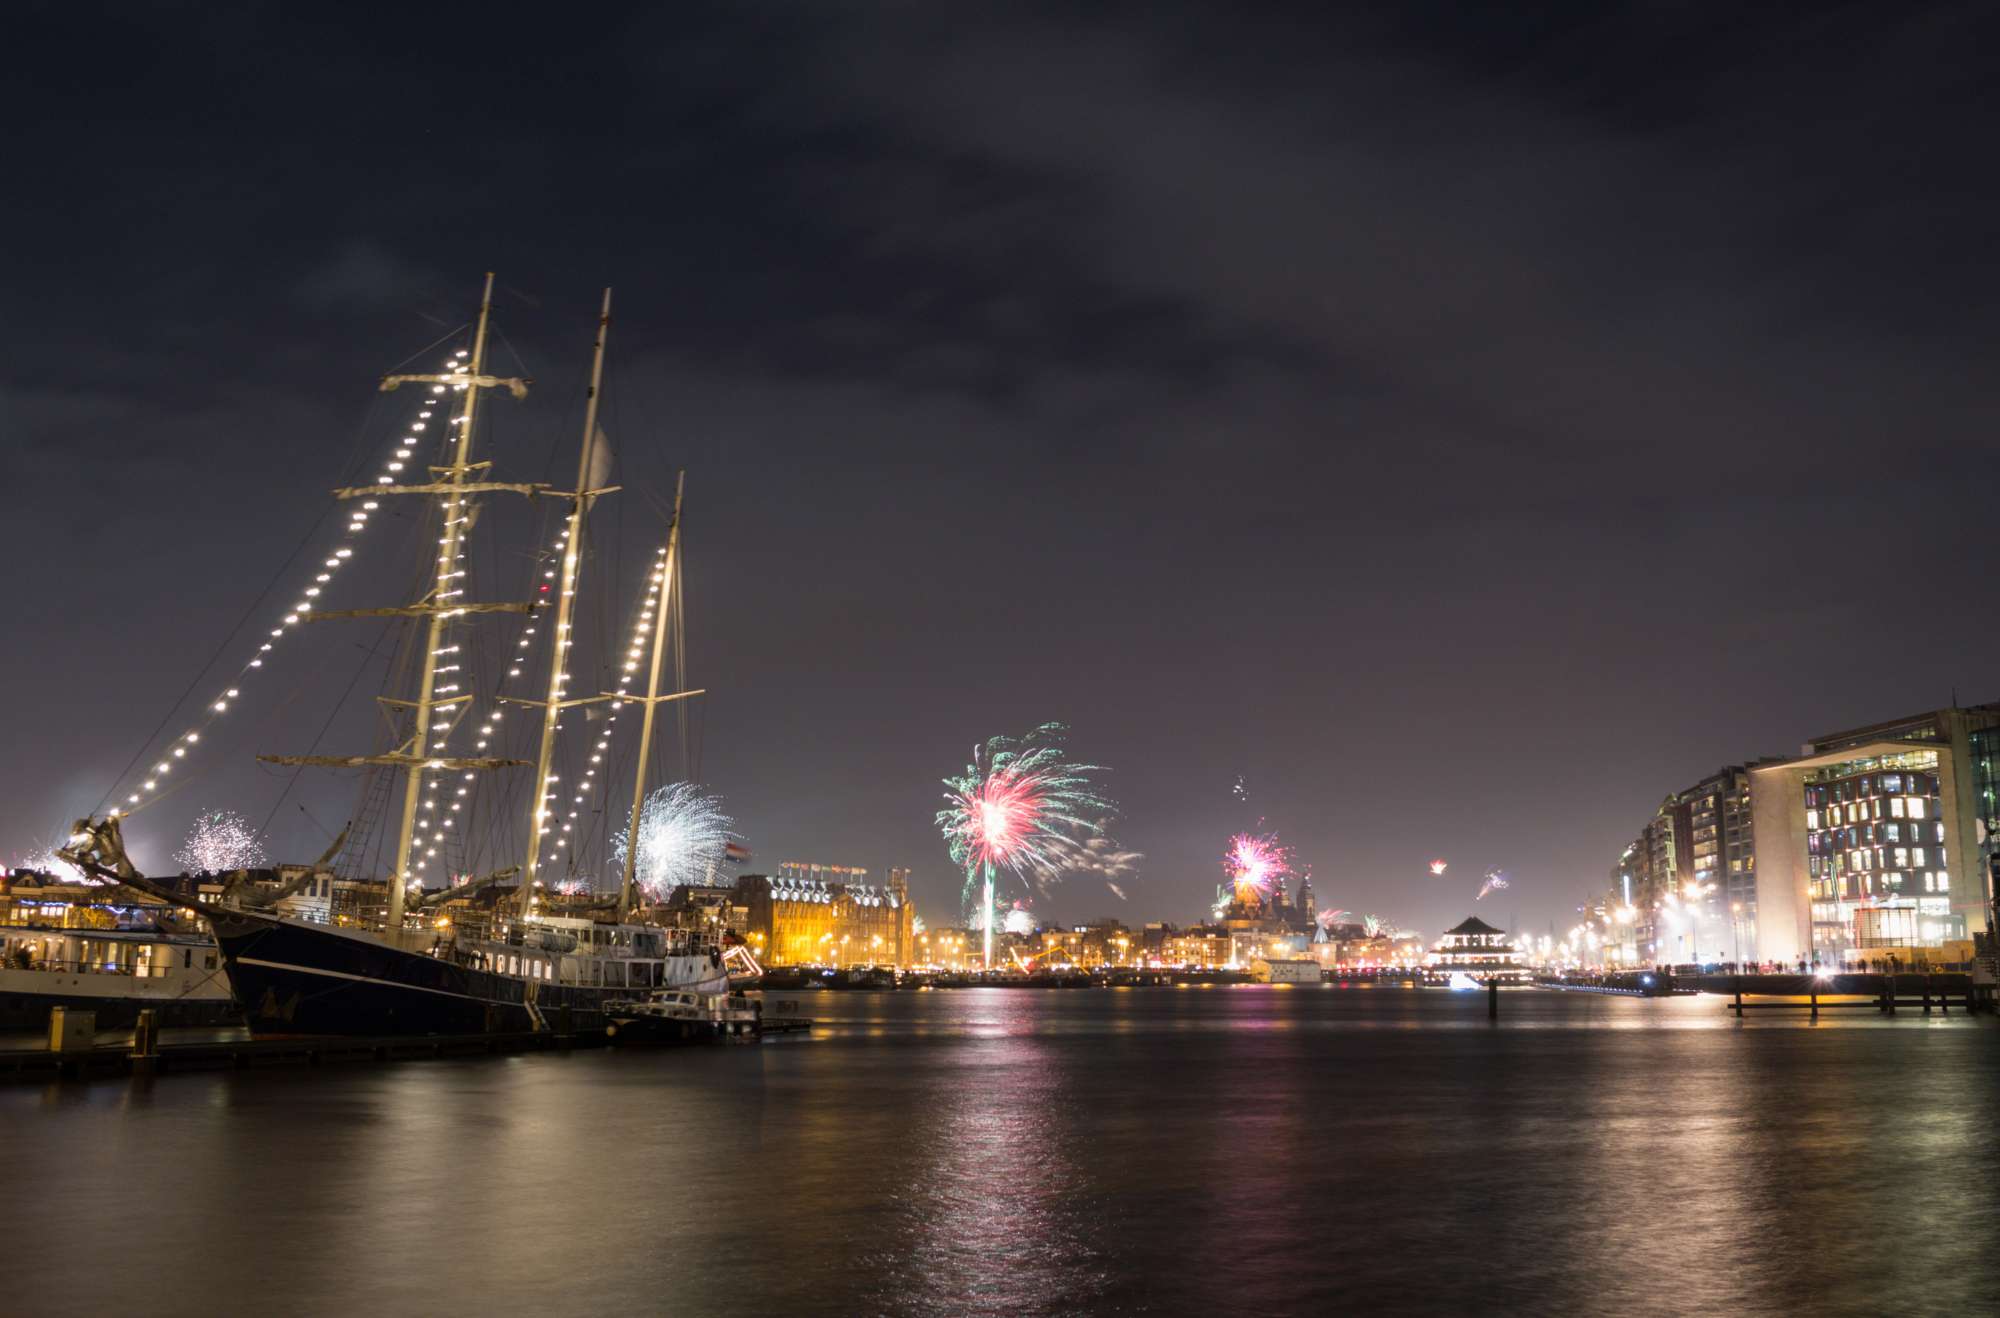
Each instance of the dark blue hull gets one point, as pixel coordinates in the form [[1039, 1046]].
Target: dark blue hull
[[301, 979]]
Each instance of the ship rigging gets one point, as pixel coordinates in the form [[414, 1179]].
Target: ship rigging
[[512, 965]]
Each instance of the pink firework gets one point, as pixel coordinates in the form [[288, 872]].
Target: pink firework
[[999, 818], [1257, 861], [1439, 866]]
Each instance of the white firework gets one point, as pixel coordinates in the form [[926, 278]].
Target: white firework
[[683, 837], [221, 840], [46, 861]]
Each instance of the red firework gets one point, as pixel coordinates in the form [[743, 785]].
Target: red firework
[[1000, 817]]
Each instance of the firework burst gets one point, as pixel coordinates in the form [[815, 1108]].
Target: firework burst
[[1439, 867], [683, 836], [1496, 881], [1023, 808], [1372, 925], [46, 861], [1332, 916], [1257, 862], [220, 841]]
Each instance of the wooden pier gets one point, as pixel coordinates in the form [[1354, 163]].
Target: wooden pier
[[1886, 994]]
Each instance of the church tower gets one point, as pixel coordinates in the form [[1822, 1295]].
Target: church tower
[[1307, 906]]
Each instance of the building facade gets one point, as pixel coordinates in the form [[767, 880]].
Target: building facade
[[790, 920], [1685, 890], [1874, 841]]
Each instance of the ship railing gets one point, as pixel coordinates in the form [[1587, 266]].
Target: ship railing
[[62, 966]]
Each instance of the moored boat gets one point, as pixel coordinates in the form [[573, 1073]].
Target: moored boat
[[427, 961]]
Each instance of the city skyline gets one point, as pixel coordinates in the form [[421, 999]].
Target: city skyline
[[1501, 504]]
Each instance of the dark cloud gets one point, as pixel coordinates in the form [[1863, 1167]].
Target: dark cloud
[[1471, 424]]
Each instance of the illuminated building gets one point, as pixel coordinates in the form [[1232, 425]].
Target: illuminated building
[[1099, 943], [949, 949], [1202, 946], [1689, 880], [1869, 842], [793, 920], [1477, 949]]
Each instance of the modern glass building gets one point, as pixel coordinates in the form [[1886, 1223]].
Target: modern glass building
[[1871, 841], [1877, 860]]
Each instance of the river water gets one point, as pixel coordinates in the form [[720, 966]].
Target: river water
[[1195, 1150]]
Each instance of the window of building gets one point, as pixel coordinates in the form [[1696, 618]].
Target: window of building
[[1944, 881], [1916, 855], [1896, 806], [1930, 881], [1916, 807]]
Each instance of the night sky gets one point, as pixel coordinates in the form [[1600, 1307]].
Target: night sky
[[1467, 429]]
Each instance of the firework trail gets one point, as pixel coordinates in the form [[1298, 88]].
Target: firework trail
[[1332, 916], [1439, 867], [1116, 891], [1257, 861], [221, 840], [1496, 880], [1021, 807], [1098, 855], [683, 836]]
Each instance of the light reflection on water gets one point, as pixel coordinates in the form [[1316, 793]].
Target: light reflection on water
[[1007, 1151]]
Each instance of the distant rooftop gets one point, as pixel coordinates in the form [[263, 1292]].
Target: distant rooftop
[[1474, 925]]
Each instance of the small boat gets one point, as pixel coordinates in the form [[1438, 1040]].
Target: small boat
[[683, 1016]]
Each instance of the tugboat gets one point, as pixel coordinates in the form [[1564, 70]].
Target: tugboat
[[402, 968]]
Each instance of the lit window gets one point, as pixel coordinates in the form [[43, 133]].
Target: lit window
[[1944, 881], [1896, 806], [1916, 807], [1916, 855]]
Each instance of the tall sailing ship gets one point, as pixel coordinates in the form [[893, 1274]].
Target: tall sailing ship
[[436, 963]]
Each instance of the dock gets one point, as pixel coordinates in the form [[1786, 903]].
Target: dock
[[127, 1058]]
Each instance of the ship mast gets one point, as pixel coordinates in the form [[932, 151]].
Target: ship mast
[[539, 810], [441, 604], [454, 521], [654, 699]]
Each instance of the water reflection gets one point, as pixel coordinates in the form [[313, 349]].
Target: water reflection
[[1009, 1152]]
